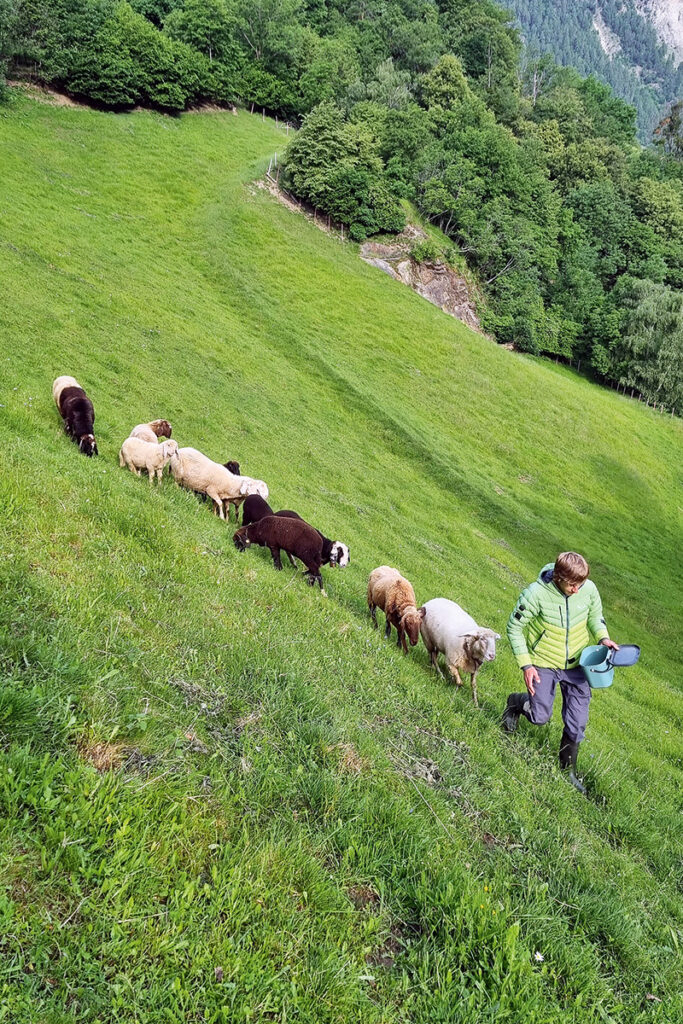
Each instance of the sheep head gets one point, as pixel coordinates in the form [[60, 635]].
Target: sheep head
[[232, 467], [240, 539], [411, 620], [481, 646], [162, 428], [175, 465], [339, 555], [88, 445], [169, 449]]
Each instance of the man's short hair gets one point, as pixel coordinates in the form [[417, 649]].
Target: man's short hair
[[571, 567]]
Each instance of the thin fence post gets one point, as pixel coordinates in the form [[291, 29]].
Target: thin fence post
[[263, 114], [252, 108]]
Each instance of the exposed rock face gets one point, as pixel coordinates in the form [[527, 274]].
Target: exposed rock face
[[608, 40], [436, 282], [667, 18]]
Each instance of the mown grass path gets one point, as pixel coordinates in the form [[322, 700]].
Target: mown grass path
[[223, 797]]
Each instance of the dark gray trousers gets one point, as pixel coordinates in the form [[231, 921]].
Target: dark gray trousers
[[576, 695]]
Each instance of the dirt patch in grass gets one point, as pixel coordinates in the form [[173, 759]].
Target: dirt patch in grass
[[104, 757], [110, 757], [137, 762], [385, 955], [211, 108], [45, 95], [363, 896], [245, 720], [209, 702], [413, 762], [417, 768], [349, 760]]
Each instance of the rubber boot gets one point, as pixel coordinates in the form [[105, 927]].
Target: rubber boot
[[513, 709], [569, 750]]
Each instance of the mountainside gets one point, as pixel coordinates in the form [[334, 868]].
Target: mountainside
[[636, 46], [666, 16], [223, 796]]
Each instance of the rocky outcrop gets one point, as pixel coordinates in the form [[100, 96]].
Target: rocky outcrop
[[608, 40], [667, 18], [436, 282]]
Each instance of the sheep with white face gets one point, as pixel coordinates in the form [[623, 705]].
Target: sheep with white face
[[448, 629]]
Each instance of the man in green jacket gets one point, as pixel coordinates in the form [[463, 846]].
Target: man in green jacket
[[552, 622]]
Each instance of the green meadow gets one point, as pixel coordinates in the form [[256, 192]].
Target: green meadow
[[223, 796]]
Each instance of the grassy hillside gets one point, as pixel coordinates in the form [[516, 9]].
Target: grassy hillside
[[224, 797]]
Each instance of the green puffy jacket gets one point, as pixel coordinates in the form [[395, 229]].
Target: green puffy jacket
[[548, 629]]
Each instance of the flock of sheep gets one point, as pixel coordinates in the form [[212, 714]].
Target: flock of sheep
[[444, 626]]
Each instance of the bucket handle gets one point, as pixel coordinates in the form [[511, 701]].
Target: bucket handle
[[596, 668]]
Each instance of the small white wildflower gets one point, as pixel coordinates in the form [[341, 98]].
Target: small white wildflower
[[539, 957]]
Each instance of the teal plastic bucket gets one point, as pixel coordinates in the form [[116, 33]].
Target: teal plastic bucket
[[597, 666]]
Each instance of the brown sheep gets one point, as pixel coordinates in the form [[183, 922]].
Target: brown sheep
[[391, 592], [291, 535]]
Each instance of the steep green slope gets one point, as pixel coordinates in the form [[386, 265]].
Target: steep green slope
[[297, 822]]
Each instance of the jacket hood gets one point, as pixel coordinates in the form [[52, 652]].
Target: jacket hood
[[546, 573]]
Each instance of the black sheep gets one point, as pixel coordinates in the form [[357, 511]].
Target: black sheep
[[333, 552], [291, 535], [78, 414], [254, 508]]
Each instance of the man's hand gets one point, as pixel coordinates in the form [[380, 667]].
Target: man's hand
[[606, 642], [531, 676]]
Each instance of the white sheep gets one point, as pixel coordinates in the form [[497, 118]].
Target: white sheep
[[152, 431], [138, 454], [447, 629], [191, 469]]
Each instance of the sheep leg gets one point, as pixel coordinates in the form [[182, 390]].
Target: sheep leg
[[456, 676], [275, 552], [473, 680], [402, 639], [434, 656], [387, 629], [373, 615]]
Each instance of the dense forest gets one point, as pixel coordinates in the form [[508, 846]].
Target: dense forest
[[534, 173], [640, 70]]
